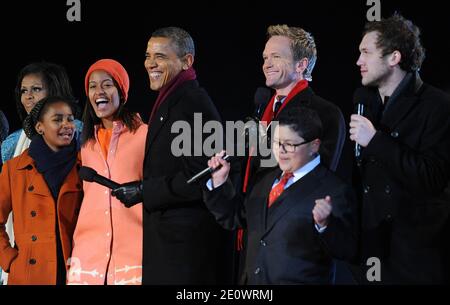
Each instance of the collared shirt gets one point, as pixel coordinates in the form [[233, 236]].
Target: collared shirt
[[278, 99], [298, 174], [380, 106]]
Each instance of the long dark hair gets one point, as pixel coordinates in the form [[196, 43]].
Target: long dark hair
[[55, 78], [130, 119]]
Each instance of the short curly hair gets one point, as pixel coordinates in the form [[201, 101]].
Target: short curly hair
[[38, 111], [302, 44], [398, 33]]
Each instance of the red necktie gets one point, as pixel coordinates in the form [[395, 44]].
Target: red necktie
[[279, 188]]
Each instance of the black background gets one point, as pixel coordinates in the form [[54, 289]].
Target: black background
[[229, 38]]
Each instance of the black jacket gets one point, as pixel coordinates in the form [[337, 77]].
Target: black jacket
[[182, 242], [405, 190], [333, 126], [283, 245]]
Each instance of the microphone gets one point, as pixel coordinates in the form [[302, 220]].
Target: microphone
[[262, 97], [206, 171], [90, 175], [360, 100], [360, 111]]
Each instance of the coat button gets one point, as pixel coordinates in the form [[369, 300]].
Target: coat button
[[30, 188], [263, 243], [33, 213], [32, 261], [394, 134], [366, 189], [161, 119], [387, 189], [257, 270], [34, 238]]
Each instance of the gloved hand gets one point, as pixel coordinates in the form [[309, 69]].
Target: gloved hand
[[129, 193]]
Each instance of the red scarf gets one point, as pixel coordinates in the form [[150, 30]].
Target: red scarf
[[165, 91], [268, 115]]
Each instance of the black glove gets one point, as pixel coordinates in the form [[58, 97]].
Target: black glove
[[129, 193]]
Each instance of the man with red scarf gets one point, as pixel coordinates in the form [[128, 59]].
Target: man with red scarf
[[183, 245], [289, 57]]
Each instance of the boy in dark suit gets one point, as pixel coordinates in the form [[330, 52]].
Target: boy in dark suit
[[285, 244]]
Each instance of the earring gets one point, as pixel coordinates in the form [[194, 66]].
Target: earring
[[40, 132]]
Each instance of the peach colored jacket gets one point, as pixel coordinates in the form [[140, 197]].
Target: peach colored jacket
[[107, 243]]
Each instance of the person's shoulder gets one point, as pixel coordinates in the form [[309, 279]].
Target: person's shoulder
[[20, 161], [78, 125], [141, 130], [325, 103], [317, 102], [434, 95], [197, 100], [196, 92], [329, 176], [14, 135], [9, 145], [433, 103]]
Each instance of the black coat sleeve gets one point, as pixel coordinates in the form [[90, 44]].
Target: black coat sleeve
[[226, 204]]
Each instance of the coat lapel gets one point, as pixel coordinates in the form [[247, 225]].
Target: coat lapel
[[160, 118], [35, 181], [403, 105], [162, 115]]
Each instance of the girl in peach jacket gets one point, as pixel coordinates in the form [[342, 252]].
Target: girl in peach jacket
[[107, 244]]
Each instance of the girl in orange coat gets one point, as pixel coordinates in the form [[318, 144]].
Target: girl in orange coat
[[42, 189]]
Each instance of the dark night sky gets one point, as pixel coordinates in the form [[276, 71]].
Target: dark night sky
[[229, 36]]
